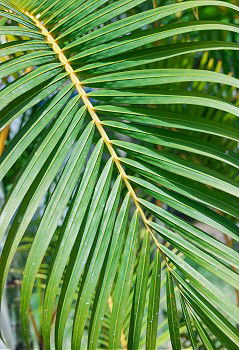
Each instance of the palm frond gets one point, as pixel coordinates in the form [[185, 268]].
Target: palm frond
[[111, 126]]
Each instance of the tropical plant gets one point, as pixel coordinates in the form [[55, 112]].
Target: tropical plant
[[118, 147]]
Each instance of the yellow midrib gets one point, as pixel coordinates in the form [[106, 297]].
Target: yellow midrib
[[75, 80]]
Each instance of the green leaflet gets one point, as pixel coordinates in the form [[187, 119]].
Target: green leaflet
[[153, 55], [189, 324], [171, 96], [203, 333], [122, 288], [138, 307], [11, 30], [154, 300], [29, 81], [158, 76], [20, 46], [25, 61], [173, 322]]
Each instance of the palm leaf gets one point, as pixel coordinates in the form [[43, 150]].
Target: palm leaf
[[109, 126]]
